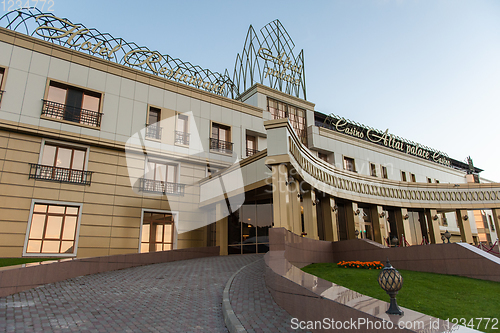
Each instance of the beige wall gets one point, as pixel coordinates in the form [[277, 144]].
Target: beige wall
[[111, 211]]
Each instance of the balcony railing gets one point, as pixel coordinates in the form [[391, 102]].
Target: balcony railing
[[221, 146], [157, 186], [62, 175], [153, 131], [182, 138], [251, 152], [70, 113]]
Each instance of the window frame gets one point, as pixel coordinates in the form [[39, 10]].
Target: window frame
[[413, 177], [185, 134], [158, 134], [77, 233], [383, 172], [403, 176], [344, 160], [373, 170], [175, 234], [3, 81], [90, 90], [218, 150]]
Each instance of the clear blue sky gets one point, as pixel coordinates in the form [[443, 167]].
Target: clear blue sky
[[427, 70]]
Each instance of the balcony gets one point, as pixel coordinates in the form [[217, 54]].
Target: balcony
[[251, 152], [220, 146], [153, 131], [62, 175], [70, 113], [182, 138], [157, 186]]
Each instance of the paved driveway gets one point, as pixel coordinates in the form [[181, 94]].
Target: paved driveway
[[182, 296]]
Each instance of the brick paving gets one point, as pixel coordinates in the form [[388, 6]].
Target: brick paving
[[253, 304], [182, 296]]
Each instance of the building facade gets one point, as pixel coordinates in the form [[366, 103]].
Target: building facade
[[106, 148]]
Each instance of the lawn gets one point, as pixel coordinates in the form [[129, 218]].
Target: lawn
[[438, 295], [18, 261]]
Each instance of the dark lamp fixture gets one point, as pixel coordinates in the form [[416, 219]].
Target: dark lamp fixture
[[335, 208], [382, 214], [466, 217], [406, 217], [356, 212], [356, 233], [290, 180], [447, 235], [391, 281], [435, 217], [315, 202]]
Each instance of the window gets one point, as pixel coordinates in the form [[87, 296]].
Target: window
[[403, 176], [296, 116], [182, 130], [161, 177], [429, 180], [221, 139], [373, 170], [413, 178], [2, 75], [157, 233], [63, 164], [153, 129], [437, 181], [384, 172], [72, 104], [323, 157], [251, 145], [52, 229], [349, 164]]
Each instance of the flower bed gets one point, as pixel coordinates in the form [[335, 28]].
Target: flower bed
[[361, 264]]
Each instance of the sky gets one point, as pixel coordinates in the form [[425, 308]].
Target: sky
[[429, 71]]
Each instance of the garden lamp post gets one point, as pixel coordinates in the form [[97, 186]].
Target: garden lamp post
[[447, 235], [391, 281]]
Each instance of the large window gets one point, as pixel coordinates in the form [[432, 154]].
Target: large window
[[52, 229], [221, 139], [373, 170], [157, 232], [62, 164], [72, 104], [403, 176], [182, 129], [384, 172], [161, 177], [153, 129], [296, 116]]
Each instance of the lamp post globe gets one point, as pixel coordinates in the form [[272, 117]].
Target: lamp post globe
[[391, 281]]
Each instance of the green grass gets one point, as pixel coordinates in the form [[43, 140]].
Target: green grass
[[18, 261], [437, 295]]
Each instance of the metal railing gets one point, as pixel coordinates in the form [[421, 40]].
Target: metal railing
[[221, 146], [153, 131], [182, 138], [70, 113], [62, 175], [251, 152], [157, 186]]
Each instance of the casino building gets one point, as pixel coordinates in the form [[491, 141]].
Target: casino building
[[111, 148]]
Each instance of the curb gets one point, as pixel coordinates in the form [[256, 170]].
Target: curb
[[232, 322]]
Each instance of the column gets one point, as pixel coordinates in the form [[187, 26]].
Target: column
[[403, 225], [280, 196], [330, 218], [221, 214], [310, 218], [294, 210], [378, 223], [433, 225], [352, 220], [464, 225], [496, 220]]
